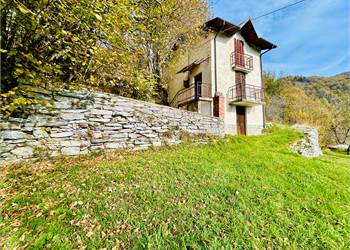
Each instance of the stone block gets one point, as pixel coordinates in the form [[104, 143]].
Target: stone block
[[101, 112], [70, 150], [12, 135], [40, 133], [23, 152], [70, 143], [72, 115], [100, 120], [113, 145], [61, 134]]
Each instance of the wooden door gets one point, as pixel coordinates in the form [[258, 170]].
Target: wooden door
[[241, 120], [240, 85], [198, 85], [239, 52]]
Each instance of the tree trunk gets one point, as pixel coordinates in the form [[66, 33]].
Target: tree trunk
[[348, 151]]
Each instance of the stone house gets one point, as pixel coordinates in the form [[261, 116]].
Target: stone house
[[222, 76]]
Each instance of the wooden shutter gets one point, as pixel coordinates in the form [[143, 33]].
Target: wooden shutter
[[239, 52], [240, 85]]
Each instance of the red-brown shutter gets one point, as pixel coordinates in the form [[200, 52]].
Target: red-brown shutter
[[240, 85], [239, 52]]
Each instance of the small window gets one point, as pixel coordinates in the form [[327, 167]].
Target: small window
[[187, 83]]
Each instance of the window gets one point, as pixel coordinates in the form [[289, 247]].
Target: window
[[186, 83]]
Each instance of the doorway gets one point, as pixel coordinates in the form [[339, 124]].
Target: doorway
[[240, 85], [198, 85], [241, 120]]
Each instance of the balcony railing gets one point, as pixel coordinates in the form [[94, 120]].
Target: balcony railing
[[245, 94], [242, 61], [193, 92]]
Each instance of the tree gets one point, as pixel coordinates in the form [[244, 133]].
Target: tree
[[51, 44], [120, 46], [340, 125], [162, 25], [290, 104]]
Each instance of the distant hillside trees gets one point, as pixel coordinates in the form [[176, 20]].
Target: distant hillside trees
[[319, 102], [119, 46]]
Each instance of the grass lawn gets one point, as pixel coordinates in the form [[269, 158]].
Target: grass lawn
[[235, 192]]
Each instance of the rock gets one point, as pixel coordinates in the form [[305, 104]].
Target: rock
[[73, 115], [99, 141], [62, 104], [12, 135], [51, 124], [6, 148], [28, 127], [97, 147], [111, 145], [341, 147], [4, 125], [16, 142], [70, 143], [99, 120], [23, 152], [70, 150], [118, 135], [61, 135], [97, 134], [101, 112], [128, 126], [40, 133], [308, 147], [156, 143]]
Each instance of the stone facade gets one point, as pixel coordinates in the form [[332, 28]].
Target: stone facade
[[86, 121]]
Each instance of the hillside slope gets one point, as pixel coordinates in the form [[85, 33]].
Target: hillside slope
[[247, 192], [321, 102], [329, 88]]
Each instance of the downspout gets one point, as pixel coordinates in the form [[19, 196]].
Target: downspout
[[261, 76], [215, 68], [215, 74]]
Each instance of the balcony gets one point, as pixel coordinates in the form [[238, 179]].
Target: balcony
[[241, 62], [193, 92], [245, 95]]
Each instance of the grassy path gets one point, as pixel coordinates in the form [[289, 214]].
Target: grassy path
[[236, 192]]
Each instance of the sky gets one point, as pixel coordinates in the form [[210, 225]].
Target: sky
[[313, 37]]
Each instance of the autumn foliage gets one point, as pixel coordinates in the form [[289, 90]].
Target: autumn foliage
[[317, 102], [119, 46]]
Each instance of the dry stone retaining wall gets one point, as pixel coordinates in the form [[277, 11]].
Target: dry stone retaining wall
[[85, 121]]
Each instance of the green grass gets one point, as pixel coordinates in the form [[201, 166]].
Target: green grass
[[235, 192]]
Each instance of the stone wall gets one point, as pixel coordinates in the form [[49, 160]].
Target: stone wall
[[85, 121]]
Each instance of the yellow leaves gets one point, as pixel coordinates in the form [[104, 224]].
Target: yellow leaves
[[89, 234], [5, 95], [98, 17], [22, 8], [22, 238], [19, 71]]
